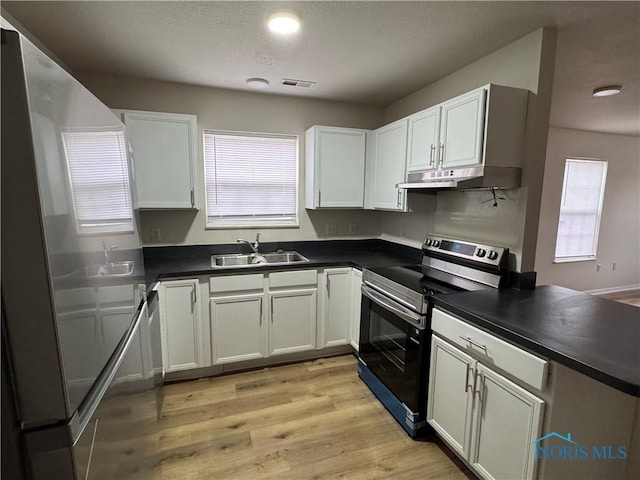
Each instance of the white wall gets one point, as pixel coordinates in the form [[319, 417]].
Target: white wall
[[241, 111], [526, 63], [619, 239]]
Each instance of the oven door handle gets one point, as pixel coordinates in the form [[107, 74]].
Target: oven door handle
[[404, 313]]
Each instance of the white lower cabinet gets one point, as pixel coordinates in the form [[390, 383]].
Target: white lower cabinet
[[238, 328], [183, 342], [335, 318], [292, 326], [488, 420]]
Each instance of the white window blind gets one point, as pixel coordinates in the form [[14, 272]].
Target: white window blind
[[99, 176], [580, 208], [251, 179]]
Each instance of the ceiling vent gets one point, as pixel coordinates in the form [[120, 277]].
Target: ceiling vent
[[297, 83]]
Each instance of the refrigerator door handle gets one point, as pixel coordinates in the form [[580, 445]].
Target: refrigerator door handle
[[86, 409]]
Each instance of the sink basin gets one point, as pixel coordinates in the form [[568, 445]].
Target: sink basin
[[119, 269], [235, 260]]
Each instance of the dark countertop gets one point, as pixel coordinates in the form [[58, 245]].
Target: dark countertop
[[597, 337], [191, 260]]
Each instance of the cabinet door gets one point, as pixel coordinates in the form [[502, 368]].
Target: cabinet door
[[356, 305], [164, 158], [181, 326], [339, 167], [292, 326], [422, 145], [336, 308], [506, 420], [450, 397], [113, 321], [390, 166], [80, 345], [238, 328], [462, 130]]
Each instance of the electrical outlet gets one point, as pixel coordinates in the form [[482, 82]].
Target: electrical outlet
[[403, 232], [353, 228], [613, 267], [598, 267], [331, 229], [156, 234]]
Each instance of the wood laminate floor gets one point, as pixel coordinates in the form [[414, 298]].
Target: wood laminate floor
[[632, 297], [312, 420]]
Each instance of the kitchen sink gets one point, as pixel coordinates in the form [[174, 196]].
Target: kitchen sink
[[235, 260], [119, 269]]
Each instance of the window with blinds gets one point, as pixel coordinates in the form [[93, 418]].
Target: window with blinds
[[580, 209], [251, 179], [97, 162]]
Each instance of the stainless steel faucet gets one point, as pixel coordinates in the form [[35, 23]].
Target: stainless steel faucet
[[107, 253], [254, 246]]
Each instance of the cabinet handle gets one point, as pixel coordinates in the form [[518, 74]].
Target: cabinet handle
[[466, 379], [399, 198], [193, 198], [432, 150], [260, 310], [271, 309], [319, 197], [442, 155], [468, 339], [328, 286], [475, 380], [193, 300]]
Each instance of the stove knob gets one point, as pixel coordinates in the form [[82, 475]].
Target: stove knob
[[493, 255], [436, 243], [428, 242], [481, 252]]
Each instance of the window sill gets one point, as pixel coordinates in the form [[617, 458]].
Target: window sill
[[249, 227], [575, 259]]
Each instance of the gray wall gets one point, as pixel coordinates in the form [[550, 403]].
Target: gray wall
[[619, 239], [241, 111], [526, 63]]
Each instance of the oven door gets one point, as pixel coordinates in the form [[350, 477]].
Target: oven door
[[394, 348]]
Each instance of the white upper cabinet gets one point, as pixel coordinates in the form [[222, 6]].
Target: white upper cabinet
[[462, 130], [447, 135], [389, 166], [335, 167], [423, 142], [165, 153]]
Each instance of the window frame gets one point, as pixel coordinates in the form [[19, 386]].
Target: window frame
[[258, 224], [596, 233], [97, 229]]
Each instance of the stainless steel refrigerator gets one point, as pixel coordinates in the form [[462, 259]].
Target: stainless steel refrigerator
[[79, 376]]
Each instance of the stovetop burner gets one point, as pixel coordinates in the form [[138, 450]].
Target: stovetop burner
[[448, 266]]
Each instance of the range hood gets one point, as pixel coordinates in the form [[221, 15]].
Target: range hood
[[464, 177]]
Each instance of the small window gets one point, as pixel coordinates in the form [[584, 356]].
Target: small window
[[251, 179], [580, 209], [99, 175]]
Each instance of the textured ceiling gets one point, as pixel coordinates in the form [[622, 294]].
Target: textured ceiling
[[363, 52]]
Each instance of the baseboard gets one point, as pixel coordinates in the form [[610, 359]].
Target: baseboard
[[622, 288]]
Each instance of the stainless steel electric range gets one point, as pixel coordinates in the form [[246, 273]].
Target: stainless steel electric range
[[395, 328]]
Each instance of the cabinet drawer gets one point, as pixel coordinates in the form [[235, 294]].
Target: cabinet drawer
[[116, 294], [295, 278], [234, 283], [521, 364]]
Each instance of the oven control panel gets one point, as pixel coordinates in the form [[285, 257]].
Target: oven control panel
[[460, 248]]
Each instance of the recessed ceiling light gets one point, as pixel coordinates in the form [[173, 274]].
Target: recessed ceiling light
[[257, 83], [283, 22], [607, 91]]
